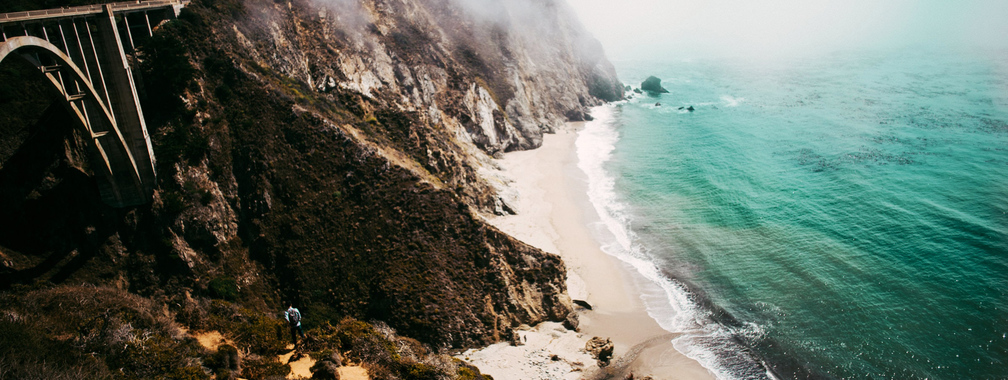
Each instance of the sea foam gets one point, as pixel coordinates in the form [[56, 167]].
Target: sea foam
[[668, 301]]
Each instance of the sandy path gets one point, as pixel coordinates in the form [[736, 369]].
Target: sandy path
[[352, 372], [300, 367]]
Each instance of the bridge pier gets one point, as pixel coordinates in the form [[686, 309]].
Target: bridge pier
[[122, 92]]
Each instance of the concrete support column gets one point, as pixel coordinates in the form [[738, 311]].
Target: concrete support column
[[124, 101]]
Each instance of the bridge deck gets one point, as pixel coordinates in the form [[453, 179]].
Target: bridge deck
[[88, 10]]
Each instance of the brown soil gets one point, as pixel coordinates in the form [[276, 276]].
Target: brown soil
[[211, 340], [353, 372]]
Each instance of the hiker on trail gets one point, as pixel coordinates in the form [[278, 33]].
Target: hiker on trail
[[293, 317]]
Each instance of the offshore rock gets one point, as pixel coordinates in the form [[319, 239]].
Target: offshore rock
[[653, 85]]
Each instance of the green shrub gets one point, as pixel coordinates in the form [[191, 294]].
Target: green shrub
[[378, 372], [466, 371], [188, 373], [253, 331], [224, 287], [91, 332], [365, 343], [418, 371], [471, 373], [262, 367], [262, 335], [225, 358]]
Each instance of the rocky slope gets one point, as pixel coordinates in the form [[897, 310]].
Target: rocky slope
[[326, 153]]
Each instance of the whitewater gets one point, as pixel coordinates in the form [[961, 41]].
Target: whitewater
[[837, 216]]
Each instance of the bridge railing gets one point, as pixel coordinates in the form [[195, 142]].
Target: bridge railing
[[85, 10]]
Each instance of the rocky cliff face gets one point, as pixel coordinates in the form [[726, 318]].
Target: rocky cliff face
[[504, 72], [328, 153]]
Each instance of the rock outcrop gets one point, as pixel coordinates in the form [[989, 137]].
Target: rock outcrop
[[600, 349], [504, 72], [653, 85]]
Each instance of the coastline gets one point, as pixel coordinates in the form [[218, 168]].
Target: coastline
[[549, 194]]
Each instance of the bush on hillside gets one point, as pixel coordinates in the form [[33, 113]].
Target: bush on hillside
[[91, 332]]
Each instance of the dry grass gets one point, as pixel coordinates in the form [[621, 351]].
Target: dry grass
[[91, 332]]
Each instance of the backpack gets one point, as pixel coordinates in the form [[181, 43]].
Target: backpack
[[294, 317]]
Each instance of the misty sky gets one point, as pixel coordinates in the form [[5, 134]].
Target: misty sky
[[632, 29]]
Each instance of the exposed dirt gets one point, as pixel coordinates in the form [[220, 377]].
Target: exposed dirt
[[353, 372], [300, 366], [210, 340]]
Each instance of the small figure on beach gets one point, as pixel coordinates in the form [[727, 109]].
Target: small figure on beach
[[293, 317]]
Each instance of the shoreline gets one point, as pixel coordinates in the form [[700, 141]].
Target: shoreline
[[549, 194]]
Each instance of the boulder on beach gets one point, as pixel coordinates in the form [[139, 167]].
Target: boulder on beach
[[653, 85], [517, 339], [575, 115], [600, 349], [571, 322]]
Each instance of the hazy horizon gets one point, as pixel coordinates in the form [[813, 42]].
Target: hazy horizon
[[636, 29]]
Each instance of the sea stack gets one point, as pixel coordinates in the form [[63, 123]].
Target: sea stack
[[653, 85]]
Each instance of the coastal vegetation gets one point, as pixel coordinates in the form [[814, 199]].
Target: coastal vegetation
[[359, 202]]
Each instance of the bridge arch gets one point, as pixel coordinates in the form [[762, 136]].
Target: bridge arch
[[119, 179]]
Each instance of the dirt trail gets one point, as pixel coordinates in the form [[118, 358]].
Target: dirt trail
[[300, 366], [211, 340], [353, 372]]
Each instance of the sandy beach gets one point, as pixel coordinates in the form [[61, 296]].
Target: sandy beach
[[549, 194]]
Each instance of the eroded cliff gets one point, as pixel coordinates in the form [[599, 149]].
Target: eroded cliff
[[327, 153]]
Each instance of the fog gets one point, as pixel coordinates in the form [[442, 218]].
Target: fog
[[633, 29]]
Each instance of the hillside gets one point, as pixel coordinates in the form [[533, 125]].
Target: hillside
[[332, 154]]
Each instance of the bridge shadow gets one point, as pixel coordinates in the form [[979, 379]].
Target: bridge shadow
[[45, 195]]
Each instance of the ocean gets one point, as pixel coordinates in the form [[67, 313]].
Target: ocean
[[843, 216]]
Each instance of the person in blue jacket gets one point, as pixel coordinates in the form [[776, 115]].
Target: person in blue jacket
[[293, 317]]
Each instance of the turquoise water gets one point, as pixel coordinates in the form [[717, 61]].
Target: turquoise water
[[844, 216]]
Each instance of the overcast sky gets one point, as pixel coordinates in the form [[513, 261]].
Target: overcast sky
[[632, 29]]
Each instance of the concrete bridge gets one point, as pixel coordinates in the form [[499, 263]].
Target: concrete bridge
[[85, 53]]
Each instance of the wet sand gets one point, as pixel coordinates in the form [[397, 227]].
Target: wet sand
[[549, 193]]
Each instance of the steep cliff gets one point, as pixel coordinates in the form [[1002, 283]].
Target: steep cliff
[[326, 153]]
